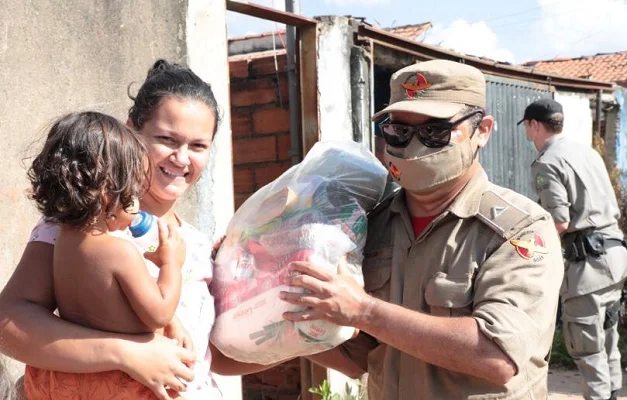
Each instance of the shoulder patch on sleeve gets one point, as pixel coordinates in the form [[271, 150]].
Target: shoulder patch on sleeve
[[529, 245], [499, 214], [540, 181]]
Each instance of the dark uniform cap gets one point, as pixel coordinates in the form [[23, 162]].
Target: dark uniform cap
[[541, 110]]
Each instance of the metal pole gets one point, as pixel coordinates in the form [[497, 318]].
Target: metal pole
[[598, 113], [292, 82], [305, 379], [295, 146]]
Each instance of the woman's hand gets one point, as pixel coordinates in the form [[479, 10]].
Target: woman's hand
[[175, 330], [158, 362]]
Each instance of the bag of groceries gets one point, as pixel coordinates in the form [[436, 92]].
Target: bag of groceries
[[316, 212]]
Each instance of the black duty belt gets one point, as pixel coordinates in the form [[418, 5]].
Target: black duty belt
[[579, 245]]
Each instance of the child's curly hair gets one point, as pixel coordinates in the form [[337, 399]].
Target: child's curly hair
[[91, 163]]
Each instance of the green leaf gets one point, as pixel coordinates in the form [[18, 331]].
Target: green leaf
[[348, 390]]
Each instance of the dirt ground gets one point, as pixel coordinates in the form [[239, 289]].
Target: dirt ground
[[565, 385]]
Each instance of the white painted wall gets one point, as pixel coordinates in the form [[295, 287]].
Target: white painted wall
[[334, 78], [338, 382], [335, 109], [213, 200], [207, 56], [577, 116]]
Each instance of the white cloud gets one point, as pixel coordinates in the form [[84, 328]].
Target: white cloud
[[475, 39], [581, 28]]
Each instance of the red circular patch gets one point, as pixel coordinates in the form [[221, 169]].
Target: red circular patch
[[527, 253]]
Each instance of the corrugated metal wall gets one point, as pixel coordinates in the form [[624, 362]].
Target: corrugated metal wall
[[507, 157]]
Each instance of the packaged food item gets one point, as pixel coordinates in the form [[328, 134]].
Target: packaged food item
[[315, 212]]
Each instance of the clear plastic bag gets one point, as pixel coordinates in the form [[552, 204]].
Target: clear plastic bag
[[316, 212]]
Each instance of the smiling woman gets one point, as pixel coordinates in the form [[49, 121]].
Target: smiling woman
[[178, 136], [178, 115]]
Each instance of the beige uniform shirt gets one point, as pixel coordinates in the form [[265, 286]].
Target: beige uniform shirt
[[494, 255], [573, 185]]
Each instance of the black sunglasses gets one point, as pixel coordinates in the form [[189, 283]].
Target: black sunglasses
[[434, 135]]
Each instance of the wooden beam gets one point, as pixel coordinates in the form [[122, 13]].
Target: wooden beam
[[318, 375], [310, 117], [269, 13]]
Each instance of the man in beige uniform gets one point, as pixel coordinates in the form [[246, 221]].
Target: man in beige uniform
[[461, 276], [573, 185]]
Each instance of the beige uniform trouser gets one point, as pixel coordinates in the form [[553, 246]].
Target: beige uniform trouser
[[593, 347]]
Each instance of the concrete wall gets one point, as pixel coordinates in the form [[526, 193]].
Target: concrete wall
[[612, 126], [58, 57], [334, 78], [577, 116], [209, 206], [621, 134]]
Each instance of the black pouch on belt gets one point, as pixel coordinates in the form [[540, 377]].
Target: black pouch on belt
[[594, 244], [574, 247], [611, 315]]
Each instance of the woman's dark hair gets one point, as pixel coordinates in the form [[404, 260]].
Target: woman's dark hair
[[169, 79], [90, 163]]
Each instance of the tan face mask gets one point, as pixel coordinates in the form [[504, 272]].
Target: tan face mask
[[419, 169]]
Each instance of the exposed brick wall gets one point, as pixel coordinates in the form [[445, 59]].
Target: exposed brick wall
[[261, 152], [278, 383], [260, 123]]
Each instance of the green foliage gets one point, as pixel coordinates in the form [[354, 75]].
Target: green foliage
[[616, 175], [559, 355], [324, 391], [561, 360]]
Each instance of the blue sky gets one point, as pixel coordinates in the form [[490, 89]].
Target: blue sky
[[514, 31]]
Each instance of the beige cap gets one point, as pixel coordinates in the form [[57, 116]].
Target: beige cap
[[437, 88]]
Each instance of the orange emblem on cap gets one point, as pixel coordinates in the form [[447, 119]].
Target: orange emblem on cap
[[527, 248], [415, 84], [394, 171]]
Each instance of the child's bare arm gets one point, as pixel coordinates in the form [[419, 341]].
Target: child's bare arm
[[153, 303]]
